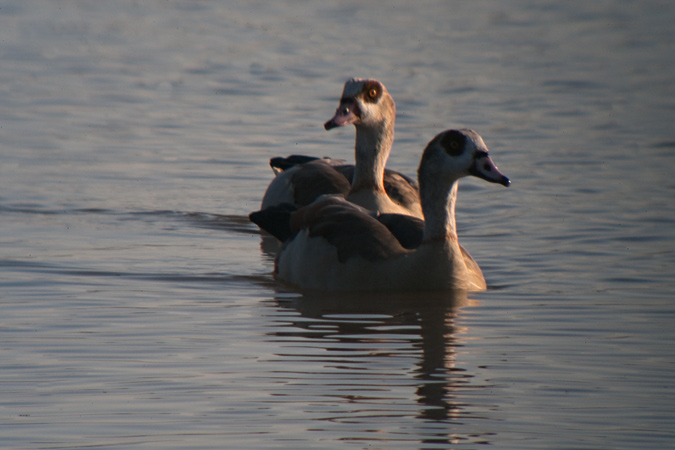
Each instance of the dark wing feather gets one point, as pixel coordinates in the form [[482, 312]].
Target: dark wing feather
[[317, 178], [279, 164], [349, 228], [408, 230]]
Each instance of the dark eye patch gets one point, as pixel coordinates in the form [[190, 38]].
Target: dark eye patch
[[453, 142], [372, 91]]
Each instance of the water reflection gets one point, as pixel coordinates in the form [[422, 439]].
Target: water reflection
[[378, 346]]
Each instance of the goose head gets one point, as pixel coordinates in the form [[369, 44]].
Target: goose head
[[451, 155], [454, 154], [364, 103]]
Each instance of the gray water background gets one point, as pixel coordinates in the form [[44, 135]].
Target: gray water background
[[138, 310]]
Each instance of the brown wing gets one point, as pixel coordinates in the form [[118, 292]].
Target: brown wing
[[349, 228], [313, 179], [408, 230], [401, 189]]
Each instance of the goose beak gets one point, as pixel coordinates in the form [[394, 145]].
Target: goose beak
[[484, 168], [344, 115]]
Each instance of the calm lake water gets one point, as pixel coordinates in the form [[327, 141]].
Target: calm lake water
[[137, 306]]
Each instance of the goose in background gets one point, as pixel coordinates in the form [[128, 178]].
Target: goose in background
[[336, 245], [366, 104]]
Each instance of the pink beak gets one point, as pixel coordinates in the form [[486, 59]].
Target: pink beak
[[484, 168]]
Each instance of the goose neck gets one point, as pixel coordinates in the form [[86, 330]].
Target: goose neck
[[438, 206], [372, 149]]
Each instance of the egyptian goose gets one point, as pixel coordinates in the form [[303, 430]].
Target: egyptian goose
[[300, 179], [335, 245]]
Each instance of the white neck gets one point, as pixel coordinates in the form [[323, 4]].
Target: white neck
[[372, 149], [438, 198]]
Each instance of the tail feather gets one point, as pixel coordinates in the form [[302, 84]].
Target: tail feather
[[276, 220]]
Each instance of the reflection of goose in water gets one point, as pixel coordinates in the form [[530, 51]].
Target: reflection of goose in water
[[370, 350]]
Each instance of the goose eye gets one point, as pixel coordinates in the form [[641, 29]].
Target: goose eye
[[453, 142], [372, 92]]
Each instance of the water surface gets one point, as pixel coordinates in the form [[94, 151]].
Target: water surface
[[138, 306]]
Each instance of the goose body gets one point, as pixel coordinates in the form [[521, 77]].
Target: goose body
[[335, 245], [300, 180]]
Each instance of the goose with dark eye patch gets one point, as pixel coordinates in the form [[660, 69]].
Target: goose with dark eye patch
[[335, 245], [366, 104]]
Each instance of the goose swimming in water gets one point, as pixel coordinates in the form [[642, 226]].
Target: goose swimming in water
[[335, 245], [366, 104]]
